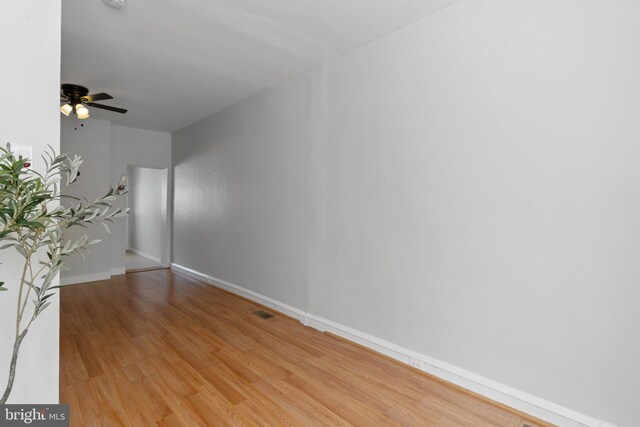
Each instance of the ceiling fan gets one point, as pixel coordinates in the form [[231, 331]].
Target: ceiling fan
[[76, 99]]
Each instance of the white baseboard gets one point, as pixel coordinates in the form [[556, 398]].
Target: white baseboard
[[243, 292], [147, 256], [117, 271], [72, 280], [96, 277], [491, 389]]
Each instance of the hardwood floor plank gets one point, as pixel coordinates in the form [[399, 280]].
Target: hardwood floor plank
[[67, 394], [412, 417], [254, 414], [298, 403], [74, 369], [363, 394], [250, 367], [173, 381], [213, 411], [170, 421], [153, 404], [449, 414], [226, 382], [480, 408], [281, 416], [347, 407], [158, 348], [179, 404]]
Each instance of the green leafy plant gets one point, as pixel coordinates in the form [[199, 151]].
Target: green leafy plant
[[33, 221]]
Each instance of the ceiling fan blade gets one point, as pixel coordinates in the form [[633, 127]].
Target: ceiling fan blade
[[97, 97], [107, 107]]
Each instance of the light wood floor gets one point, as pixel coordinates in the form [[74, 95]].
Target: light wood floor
[[157, 348]]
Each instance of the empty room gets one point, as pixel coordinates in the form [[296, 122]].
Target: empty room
[[320, 212]]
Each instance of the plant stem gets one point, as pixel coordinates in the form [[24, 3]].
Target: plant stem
[[32, 281], [12, 366], [24, 275], [19, 336]]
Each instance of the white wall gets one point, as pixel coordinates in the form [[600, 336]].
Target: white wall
[[481, 169], [241, 195], [466, 187], [91, 142], [142, 148], [30, 56], [107, 152], [146, 219]]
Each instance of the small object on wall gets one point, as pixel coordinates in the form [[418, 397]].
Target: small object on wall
[[116, 4]]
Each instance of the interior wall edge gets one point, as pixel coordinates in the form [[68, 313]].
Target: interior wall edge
[[494, 390], [117, 271]]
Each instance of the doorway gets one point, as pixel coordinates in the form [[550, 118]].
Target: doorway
[[147, 223]]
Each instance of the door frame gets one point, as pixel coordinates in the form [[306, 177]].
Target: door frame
[[165, 258]]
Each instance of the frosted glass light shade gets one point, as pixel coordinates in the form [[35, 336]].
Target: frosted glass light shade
[[82, 111], [66, 109]]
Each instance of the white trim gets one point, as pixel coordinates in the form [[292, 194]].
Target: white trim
[[243, 292], [489, 388], [494, 390], [147, 256], [117, 271], [72, 280]]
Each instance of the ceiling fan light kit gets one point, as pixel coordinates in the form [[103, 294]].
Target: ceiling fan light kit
[[116, 4], [76, 98]]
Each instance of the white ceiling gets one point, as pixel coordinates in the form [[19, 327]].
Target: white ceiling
[[174, 62]]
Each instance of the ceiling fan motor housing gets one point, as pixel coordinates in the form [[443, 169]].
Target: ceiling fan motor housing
[[74, 93]]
